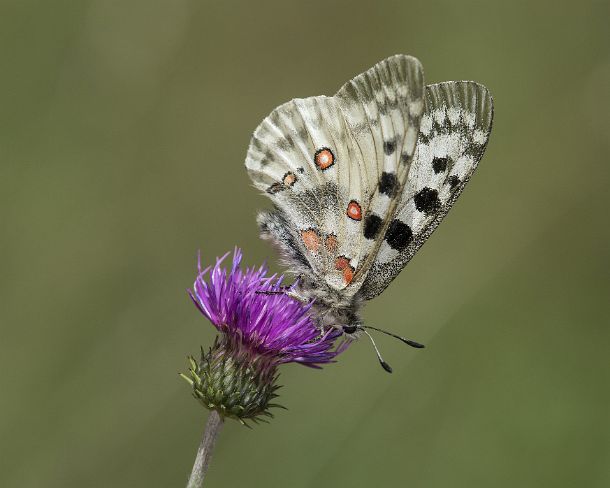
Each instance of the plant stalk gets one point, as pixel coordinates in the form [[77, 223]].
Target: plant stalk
[[204, 453]]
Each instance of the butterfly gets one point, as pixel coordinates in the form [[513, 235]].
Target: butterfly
[[361, 179]]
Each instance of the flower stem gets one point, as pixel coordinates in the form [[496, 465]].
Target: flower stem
[[204, 453]]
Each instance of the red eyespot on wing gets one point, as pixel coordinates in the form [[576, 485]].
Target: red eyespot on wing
[[354, 210], [348, 275], [341, 263], [324, 158], [289, 179], [311, 239]]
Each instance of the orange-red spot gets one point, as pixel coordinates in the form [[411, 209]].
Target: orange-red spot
[[354, 211], [311, 239], [289, 179], [348, 275], [324, 158], [342, 264], [331, 243]]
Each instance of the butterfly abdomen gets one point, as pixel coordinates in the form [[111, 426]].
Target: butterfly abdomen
[[275, 229]]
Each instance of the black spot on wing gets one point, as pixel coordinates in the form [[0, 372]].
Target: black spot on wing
[[439, 164], [453, 181], [405, 158], [472, 150], [372, 224], [426, 200], [276, 187], [388, 184], [389, 146], [399, 235], [448, 125], [437, 128]]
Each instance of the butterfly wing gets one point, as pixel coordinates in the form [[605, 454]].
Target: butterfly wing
[[329, 162], [454, 131], [382, 108]]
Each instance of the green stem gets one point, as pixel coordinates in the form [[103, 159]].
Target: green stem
[[204, 453]]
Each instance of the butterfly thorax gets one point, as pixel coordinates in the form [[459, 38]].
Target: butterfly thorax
[[330, 307]]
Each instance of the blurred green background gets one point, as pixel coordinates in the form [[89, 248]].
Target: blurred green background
[[123, 130]]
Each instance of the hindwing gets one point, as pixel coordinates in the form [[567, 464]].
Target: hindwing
[[335, 167]]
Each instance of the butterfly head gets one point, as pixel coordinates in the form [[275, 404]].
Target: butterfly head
[[352, 331]]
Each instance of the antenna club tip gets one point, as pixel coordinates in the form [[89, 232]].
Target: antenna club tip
[[386, 366], [415, 344]]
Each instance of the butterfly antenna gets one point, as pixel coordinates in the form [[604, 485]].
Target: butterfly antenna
[[406, 341], [384, 365]]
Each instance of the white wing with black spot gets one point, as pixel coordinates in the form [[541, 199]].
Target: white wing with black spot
[[328, 162], [454, 131]]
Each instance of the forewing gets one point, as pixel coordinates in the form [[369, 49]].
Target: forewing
[[382, 108], [454, 131], [322, 161]]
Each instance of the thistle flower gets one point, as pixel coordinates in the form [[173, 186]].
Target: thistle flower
[[237, 376]]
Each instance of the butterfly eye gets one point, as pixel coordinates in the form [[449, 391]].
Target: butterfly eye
[[354, 211], [324, 158]]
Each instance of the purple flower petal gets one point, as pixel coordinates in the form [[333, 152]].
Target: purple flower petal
[[275, 326]]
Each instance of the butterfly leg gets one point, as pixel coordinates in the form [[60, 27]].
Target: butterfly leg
[[296, 296], [285, 290]]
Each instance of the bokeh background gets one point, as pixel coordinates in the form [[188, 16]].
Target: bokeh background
[[123, 130]]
